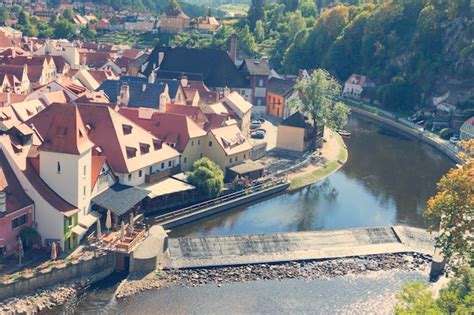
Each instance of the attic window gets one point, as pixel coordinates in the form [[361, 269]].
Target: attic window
[[144, 148], [61, 131], [29, 113], [157, 144], [131, 152], [127, 129], [81, 135]]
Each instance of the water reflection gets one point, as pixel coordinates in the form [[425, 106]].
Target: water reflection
[[387, 180]]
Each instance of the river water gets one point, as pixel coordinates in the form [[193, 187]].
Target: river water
[[387, 180]]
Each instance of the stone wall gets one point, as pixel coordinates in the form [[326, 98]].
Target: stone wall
[[92, 269]]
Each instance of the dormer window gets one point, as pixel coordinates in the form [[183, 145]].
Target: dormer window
[[144, 148], [61, 131], [131, 152], [157, 144], [127, 129]]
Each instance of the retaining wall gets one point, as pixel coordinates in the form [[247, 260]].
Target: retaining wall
[[94, 269], [409, 131], [223, 206]]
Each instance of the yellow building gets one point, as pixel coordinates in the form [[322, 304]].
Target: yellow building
[[295, 133]]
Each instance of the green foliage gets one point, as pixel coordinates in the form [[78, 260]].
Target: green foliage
[[317, 97], [68, 15], [64, 29], [3, 15], [173, 5], [259, 31], [398, 95], [247, 41], [457, 298], [207, 176], [255, 12]]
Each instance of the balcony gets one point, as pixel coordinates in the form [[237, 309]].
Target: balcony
[[154, 177]]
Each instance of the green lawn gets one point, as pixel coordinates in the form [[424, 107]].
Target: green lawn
[[235, 8]]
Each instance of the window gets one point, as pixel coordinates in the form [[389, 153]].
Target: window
[[68, 221], [259, 102], [210, 143], [245, 156], [200, 155], [199, 142], [162, 165], [21, 220], [131, 152], [129, 177], [169, 163], [192, 142], [185, 160], [230, 160], [85, 170], [127, 129], [260, 82], [144, 148], [84, 190], [59, 168], [140, 173], [236, 158]]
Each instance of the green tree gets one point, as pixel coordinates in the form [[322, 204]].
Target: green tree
[[174, 5], [87, 34], [23, 18], [452, 210], [317, 99], [207, 176], [68, 15], [457, 298], [255, 12], [247, 41], [4, 15], [259, 31], [296, 23], [308, 8], [64, 29]]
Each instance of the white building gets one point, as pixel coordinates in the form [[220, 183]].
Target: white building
[[467, 129], [355, 85]]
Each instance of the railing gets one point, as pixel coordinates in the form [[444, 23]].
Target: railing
[[154, 177], [206, 204], [128, 246]]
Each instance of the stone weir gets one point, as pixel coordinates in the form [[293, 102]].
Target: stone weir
[[233, 250], [160, 251]]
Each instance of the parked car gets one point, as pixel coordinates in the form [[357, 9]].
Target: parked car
[[258, 134], [261, 120], [454, 139], [254, 124], [420, 122]]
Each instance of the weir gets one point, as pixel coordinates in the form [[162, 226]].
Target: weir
[[195, 252]]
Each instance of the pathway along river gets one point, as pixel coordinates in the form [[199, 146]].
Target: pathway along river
[[387, 180]]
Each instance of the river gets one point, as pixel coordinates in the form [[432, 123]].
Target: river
[[387, 180]]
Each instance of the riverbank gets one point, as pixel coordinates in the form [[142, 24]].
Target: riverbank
[[44, 299], [307, 270], [334, 155]]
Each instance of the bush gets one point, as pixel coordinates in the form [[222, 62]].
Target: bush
[[446, 133], [207, 176], [29, 237]]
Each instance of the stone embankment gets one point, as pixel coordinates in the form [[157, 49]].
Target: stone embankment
[[137, 283], [42, 300], [307, 270]]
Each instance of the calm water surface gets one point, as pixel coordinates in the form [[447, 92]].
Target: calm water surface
[[387, 180]]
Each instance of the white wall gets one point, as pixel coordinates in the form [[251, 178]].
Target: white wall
[[73, 182], [136, 179]]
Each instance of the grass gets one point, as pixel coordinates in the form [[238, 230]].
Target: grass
[[235, 8], [317, 175]]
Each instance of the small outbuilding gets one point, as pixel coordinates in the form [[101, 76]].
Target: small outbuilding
[[296, 133], [251, 169]]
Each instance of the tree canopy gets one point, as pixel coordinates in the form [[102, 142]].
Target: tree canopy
[[317, 98], [452, 210], [207, 176]]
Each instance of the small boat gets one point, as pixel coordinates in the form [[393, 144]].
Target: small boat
[[344, 133]]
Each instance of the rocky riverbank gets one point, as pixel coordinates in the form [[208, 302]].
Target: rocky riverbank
[[307, 270], [42, 300]]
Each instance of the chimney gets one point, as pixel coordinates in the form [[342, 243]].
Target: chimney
[[124, 95], [233, 47], [3, 201], [184, 81], [161, 55], [8, 101], [152, 77]]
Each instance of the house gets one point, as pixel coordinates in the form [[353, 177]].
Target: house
[[356, 84], [174, 21], [240, 108], [211, 66], [16, 208], [280, 92], [208, 24], [296, 134], [24, 110], [40, 69], [21, 73], [193, 112], [8, 119], [257, 72], [177, 130], [140, 92], [227, 146], [205, 95], [467, 129]]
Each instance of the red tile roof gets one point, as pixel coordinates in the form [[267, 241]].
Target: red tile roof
[[66, 132], [193, 112], [175, 129], [16, 198], [97, 163]]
